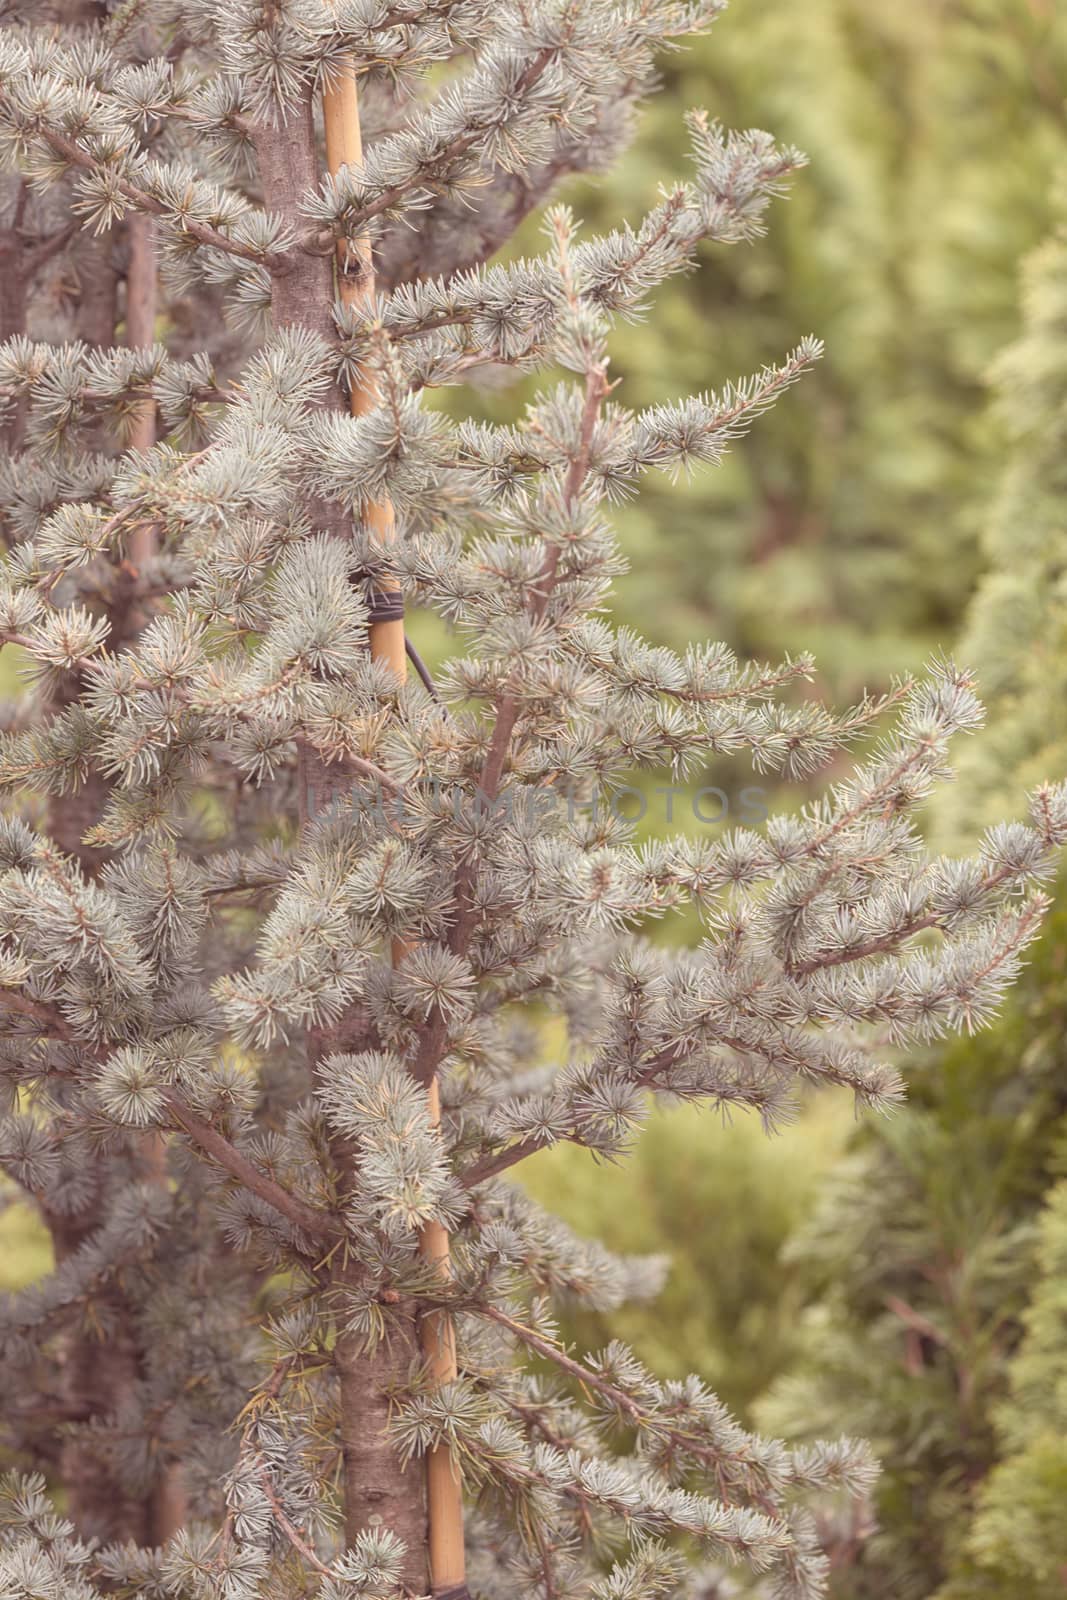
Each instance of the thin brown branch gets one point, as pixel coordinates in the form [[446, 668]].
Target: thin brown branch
[[309, 1219], [202, 232], [683, 1439], [288, 1527], [35, 256], [360, 766], [914, 1320], [491, 1166], [433, 1042], [50, 1019], [888, 943]]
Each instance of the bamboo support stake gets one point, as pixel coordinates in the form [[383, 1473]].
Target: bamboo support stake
[[140, 334], [355, 278]]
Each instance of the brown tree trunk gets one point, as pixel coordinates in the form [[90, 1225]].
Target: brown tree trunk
[[93, 1369], [379, 1489], [140, 335], [167, 1506], [356, 283], [100, 1369], [14, 291], [303, 296], [97, 1366], [98, 289], [99, 1361], [71, 816]]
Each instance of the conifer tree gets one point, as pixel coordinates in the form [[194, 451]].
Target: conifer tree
[[1017, 1539], [60, 284], [329, 905], [920, 1262], [1015, 626], [922, 1265]]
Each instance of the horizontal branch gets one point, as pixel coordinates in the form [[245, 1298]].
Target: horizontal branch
[[317, 1224], [49, 1018], [686, 1440], [889, 943], [203, 232], [141, 388], [492, 1165]]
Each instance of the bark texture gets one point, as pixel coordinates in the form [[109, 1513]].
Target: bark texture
[[13, 280], [379, 1489], [301, 296], [100, 1363]]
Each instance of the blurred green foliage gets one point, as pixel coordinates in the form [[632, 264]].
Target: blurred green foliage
[[25, 1246], [920, 1258], [719, 1199], [848, 521], [1016, 633], [1018, 1540]]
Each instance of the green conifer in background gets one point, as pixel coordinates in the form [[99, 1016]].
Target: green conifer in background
[[920, 1260], [1016, 1541], [931, 1252], [1016, 631], [935, 133]]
